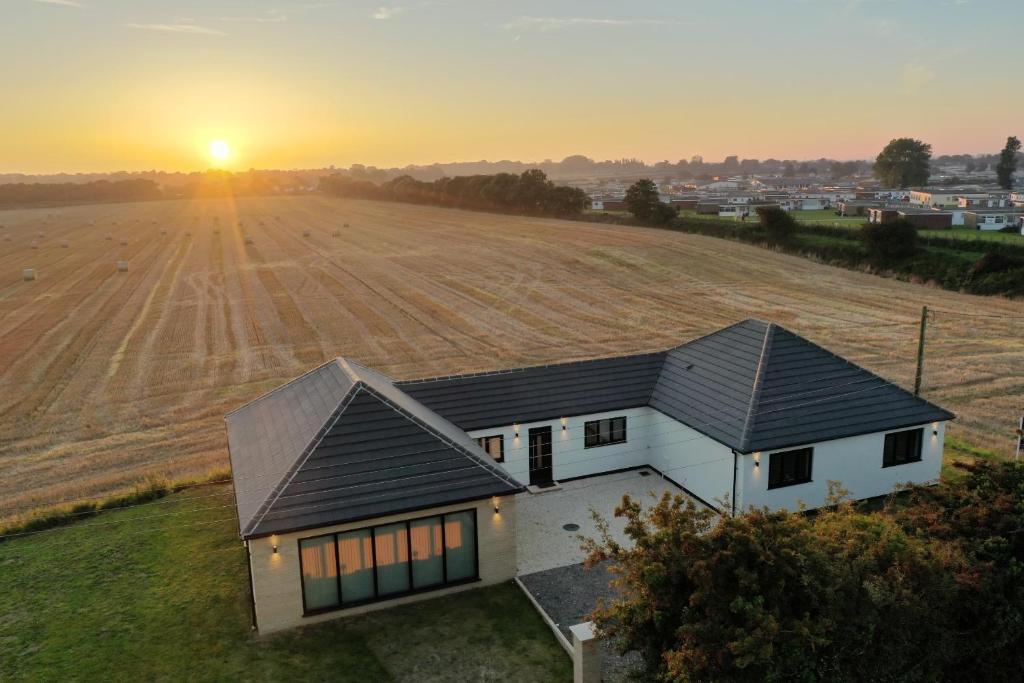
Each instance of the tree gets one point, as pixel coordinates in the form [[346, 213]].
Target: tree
[[643, 202], [779, 226], [1007, 165], [889, 242], [904, 162], [774, 595]]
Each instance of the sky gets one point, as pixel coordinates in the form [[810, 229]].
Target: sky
[[105, 85]]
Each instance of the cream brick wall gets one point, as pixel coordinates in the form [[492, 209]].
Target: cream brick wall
[[277, 584]]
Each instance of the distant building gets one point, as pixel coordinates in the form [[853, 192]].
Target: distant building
[[926, 219], [992, 219]]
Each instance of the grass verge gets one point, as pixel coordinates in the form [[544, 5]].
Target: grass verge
[[145, 594]]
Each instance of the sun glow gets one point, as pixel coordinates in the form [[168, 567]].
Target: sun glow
[[219, 151]]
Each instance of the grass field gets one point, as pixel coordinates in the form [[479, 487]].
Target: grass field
[[108, 377], [159, 592]]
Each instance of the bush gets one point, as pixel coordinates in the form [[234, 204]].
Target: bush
[[994, 262], [779, 227], [889, 242]]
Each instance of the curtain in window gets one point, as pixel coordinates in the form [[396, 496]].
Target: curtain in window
[[392, 558], [319, 572], [427, 552], [460, 543], [356, 551]]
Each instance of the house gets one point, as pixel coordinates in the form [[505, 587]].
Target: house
[[991, 201], [356, 492], [1017, 199], [857, 207], [992, 219], [927, 219], [882, 214], [614, 205], [945, 197]]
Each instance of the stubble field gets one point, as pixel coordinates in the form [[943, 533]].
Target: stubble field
[[108, 377]]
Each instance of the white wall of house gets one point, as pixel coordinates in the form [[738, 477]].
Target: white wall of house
[[696, 462], [277, 583], [569, 458], [854, 462]]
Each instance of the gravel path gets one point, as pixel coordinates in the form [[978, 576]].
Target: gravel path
[[568, 595]]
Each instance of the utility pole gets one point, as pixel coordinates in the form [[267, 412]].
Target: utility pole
[[920, 351], [1020, 438]]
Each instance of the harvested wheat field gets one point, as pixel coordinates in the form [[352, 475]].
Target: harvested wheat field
[[110, 376]]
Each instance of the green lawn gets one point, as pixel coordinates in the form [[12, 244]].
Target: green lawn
[[828, 217], [159, 592]]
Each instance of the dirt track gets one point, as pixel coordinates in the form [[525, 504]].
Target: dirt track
[[108, 377]]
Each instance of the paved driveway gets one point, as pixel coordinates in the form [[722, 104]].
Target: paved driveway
[[542, 541]]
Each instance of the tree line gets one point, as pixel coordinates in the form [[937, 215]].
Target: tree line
[[27, 194], [927, 589], [529, 193], [906, 162]]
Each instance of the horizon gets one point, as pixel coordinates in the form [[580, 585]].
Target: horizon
[[118, 85]]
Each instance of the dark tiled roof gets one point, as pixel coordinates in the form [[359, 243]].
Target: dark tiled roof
[[343, 442], [756, 386], [376, 452], [541, 392]]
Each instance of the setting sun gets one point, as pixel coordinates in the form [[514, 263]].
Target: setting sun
[[219, 150]]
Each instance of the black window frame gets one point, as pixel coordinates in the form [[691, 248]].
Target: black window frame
[[889, 445], [592, 428], [777, 465], [501, 439], [377, 597]]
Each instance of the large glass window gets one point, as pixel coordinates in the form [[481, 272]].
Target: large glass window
[[460, 545], [427, 552], [392, 558], [604, 432], [494, 445], [787, 468], [319, 572], [902, 447], [388, 560], [355, 549]]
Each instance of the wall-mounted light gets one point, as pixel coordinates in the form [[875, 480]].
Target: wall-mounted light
[[565, 421], [935, 429], [497, 509], [757, 459], [515, 428], [275, 549]]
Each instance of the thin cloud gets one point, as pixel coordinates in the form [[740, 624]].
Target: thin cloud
[[62, 3], [192, 29], [385, 13], [271, 17], [556, 23]]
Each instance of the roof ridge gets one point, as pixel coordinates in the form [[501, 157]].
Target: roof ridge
[[278, 388], [290, 473], [755, 392], [523, 368]]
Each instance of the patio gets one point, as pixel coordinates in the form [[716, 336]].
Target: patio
[[543, 540]]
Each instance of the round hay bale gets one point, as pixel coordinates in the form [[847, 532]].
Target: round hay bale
[[163, 232], [336, 233], [188, 233], [109, 237], [35, 245], [344, 225], [64, 244], [28, 274], [305, 233], [248, 239], [122, 266], [124, 243]]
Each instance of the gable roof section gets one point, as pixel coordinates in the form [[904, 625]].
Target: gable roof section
[[376, 453], [756, 386], [541, 392]]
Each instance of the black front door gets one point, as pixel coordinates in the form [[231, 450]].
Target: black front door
[[540, 457]]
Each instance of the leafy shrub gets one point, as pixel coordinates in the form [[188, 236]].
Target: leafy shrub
[[779, 227], [889, 242]]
